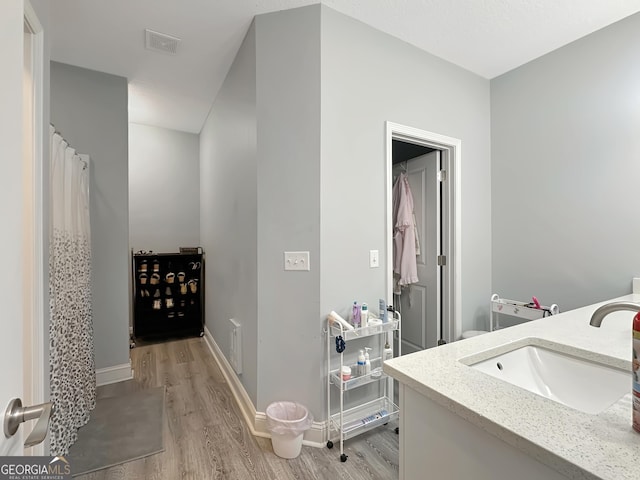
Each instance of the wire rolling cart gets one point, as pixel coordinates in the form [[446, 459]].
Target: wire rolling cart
[[513, 308], [348, 423]]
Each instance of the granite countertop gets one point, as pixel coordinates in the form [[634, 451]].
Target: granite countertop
[[576, 444]]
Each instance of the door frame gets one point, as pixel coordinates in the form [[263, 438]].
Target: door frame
[[35, 322], [451, 218]]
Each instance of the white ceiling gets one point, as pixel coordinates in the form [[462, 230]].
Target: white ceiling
[[488, 37]]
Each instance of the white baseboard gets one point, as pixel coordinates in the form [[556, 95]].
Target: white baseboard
[[316, 435], [256, 421], [242, 397], [117, 373]]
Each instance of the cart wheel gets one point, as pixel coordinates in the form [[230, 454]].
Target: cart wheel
[[397, 430], [329, 444], [343, 458]]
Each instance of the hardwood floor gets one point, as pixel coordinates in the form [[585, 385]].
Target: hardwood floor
[[205, 436]]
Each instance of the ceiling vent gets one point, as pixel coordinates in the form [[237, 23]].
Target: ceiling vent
[[160, 42]]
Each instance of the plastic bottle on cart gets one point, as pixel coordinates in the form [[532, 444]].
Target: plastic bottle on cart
[[356, 315], [360, 366], [364, 314], [636, 372], [367, 361], [382, 310], [387, 353]]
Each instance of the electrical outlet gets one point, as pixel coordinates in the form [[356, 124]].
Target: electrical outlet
[[296, 261], [374, 259]]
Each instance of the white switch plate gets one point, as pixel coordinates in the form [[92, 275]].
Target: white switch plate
[[296, 261], [374, 259]]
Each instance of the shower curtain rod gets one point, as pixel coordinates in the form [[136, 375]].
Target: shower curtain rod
[[84, 163]]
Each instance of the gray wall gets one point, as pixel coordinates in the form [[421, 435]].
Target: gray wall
[[323, 90], [565, 143], [164, 189], [368, 78], [260, 196], [290, 350], [89, 109], [228, 211]]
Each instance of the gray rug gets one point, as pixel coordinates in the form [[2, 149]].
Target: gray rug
[[121, 429]]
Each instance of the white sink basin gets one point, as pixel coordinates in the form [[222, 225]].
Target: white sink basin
[[578, 383]]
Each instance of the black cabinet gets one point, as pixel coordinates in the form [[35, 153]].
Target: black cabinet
[[168, 295]]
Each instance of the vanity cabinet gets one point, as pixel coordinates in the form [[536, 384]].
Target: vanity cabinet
[[168, 298], [433, 439]]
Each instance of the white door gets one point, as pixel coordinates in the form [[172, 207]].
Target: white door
[[420, 304], [11, 202], [17, 215]]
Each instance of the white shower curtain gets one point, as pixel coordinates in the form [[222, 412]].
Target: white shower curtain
[[72, 365]]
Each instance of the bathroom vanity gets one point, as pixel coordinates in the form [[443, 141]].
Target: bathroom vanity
[[459, 421]]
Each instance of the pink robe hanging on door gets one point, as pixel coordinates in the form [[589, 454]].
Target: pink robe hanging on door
[[405, 267]]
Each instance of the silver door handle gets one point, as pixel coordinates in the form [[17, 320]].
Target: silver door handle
[[15, 414]]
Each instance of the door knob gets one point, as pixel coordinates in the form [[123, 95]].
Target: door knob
[[15, 414]]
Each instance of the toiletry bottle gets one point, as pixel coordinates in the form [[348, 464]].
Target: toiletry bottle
[[364, 314], [382, 310], [367, 361], [360, 366], [355, 315], [635, 399], [387, 353]]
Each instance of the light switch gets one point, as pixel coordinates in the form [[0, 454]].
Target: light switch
[[296, 261], [374, 259]]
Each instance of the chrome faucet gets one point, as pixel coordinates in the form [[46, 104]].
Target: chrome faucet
[[604, 310]]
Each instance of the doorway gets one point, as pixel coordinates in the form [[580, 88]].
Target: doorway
[[431, 307], [420, 303]]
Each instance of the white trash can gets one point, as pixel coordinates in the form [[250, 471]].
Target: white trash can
[[287, 422]]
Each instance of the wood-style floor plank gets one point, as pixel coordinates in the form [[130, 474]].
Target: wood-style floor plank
[[205, 437]]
